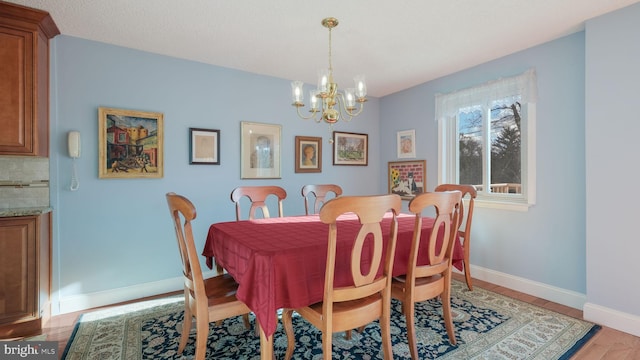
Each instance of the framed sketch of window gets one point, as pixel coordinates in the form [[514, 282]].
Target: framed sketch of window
[[259, 150], [406, 144], [407, 178], [308, 152], [130, 144], [350, 148], [204, 145]]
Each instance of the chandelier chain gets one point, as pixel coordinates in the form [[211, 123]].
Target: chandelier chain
[[330, 62]]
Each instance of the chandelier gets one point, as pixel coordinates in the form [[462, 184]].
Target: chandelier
[[326, 100]]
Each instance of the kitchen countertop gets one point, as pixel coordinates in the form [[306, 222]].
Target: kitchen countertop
[[25, 211]]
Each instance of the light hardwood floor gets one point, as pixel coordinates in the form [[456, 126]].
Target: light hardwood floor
[[607, 344]]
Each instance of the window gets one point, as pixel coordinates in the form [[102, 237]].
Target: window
[[487, 139]]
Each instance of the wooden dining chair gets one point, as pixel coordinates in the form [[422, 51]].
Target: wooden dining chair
[[424, 282], [316, 195], [369, 298], [257, 195], [464, 223], [206, 300]]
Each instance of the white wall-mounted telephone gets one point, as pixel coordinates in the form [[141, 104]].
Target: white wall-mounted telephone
[[73, 143]]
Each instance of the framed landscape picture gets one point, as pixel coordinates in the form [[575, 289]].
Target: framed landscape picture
[[308, 152], [407, 178], [130, 144], [259, 150], [350, 148], [204, 146]]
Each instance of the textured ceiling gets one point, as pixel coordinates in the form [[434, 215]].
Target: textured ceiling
[[396, 44]]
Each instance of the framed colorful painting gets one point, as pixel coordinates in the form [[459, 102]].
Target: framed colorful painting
[[130, 144], [407, 178]]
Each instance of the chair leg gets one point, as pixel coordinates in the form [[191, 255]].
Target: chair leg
[[287, 323], [247, 323], [186, 329], [446, 311], [186, 323], [256, 330], [347, 334], [467, 274], [409, 313], [385, 328], [202, 335], [219, 269], [327, 345], [445, 299], [245, 318]]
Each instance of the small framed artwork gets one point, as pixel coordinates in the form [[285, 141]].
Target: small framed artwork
[[407, 178], [308, 152], [406, 144], [259, 150], [130, 144], [350, 148], [204, 145]]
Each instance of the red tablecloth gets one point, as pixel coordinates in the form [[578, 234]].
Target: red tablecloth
[[280, 262]]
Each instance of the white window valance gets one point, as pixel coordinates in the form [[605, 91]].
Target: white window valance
[[525, 85]]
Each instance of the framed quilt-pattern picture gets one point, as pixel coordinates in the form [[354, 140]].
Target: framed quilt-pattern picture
[[407, 178]]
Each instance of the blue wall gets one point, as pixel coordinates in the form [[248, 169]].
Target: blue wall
[[612, 128], [547, 243], [116, 233]]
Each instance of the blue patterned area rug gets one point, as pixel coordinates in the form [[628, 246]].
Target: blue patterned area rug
[[487, 325]]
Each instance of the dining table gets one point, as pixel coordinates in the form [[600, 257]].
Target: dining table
[[280, 262]]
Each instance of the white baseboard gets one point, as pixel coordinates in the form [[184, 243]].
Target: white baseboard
[[102, 298], [612, 318], [590, 312], [558, 295]]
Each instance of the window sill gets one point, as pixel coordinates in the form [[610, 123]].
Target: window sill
[[503, 205]]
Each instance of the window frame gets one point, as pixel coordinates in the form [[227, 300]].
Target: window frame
[[448, 146]]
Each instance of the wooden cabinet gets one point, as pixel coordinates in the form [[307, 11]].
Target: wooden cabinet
[[25, 283], [24, 80]]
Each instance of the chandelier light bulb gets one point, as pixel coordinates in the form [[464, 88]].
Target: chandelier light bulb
[[296, 91], [361, 86], [313, 94]]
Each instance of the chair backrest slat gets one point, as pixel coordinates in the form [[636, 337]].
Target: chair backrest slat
[[442, 237], [183, 210], [370, 211], [258, 195], [468, 192], [319, 191]]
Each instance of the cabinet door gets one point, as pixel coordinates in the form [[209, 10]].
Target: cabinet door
[[18, 270], [16, 92]]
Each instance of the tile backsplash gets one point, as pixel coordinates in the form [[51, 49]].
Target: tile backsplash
[[24, 181]]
